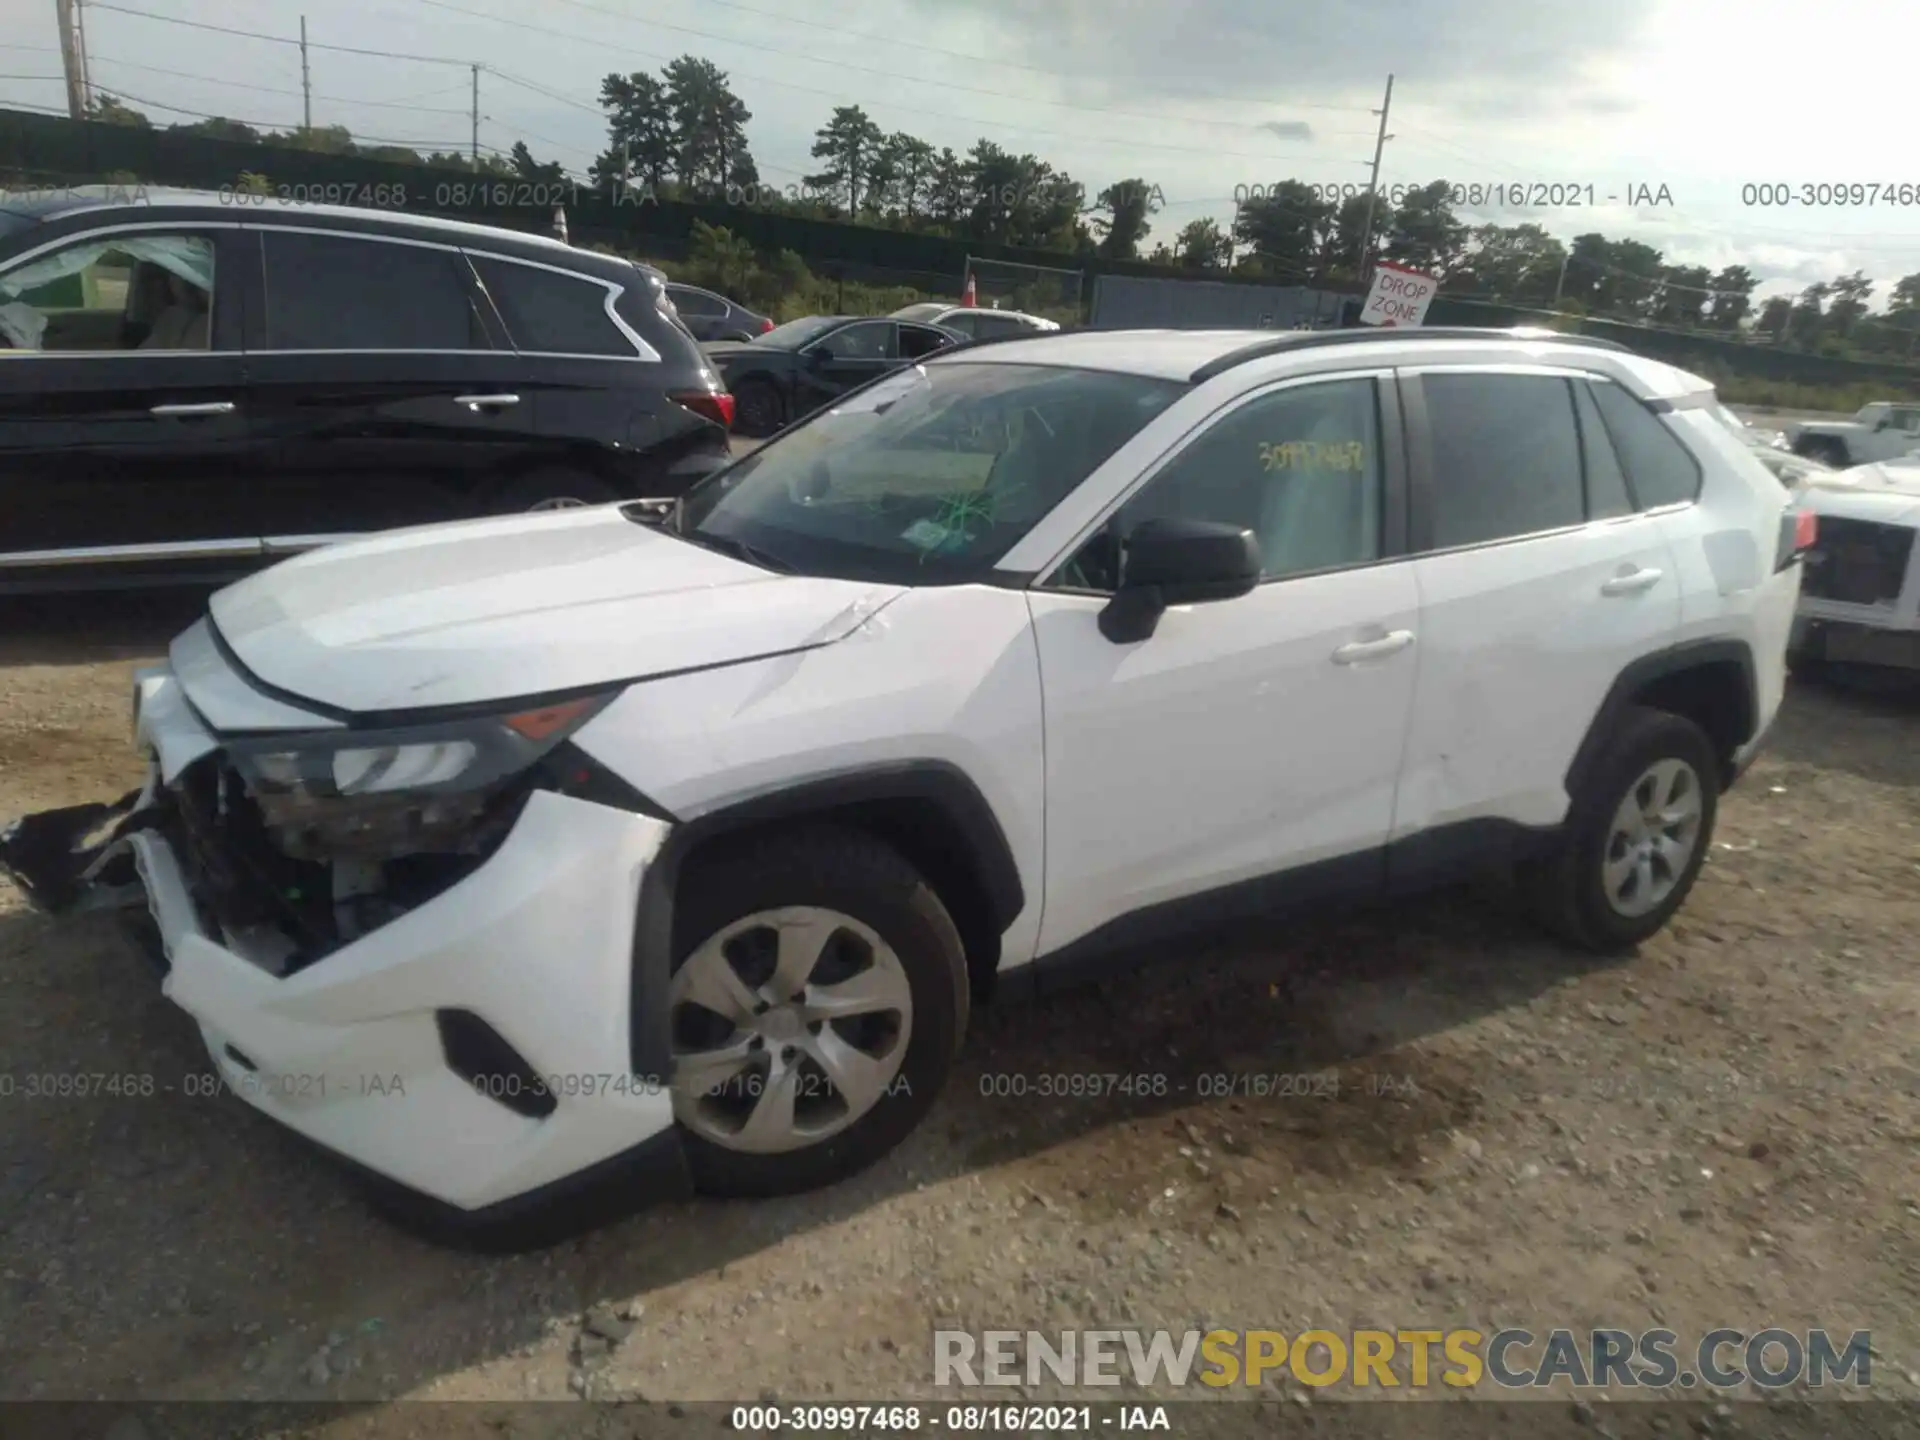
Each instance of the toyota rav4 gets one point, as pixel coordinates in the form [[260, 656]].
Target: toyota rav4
[[662, 847]]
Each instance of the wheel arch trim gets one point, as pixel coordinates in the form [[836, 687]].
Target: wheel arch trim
[[1648, 669]]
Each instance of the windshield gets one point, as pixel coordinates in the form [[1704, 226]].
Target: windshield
[[927, 477], [921, 312], [795, 333]]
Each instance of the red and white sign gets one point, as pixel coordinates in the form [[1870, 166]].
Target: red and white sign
[[1399, 296]]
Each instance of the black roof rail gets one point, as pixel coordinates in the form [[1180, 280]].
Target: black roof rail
[[1305, 339]]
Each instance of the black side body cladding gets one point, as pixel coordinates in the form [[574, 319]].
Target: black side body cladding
[[1646, 672], [936, 782]]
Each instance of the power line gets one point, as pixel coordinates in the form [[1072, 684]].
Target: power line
[[275, 39], [272, 89], [603, 47], [655, 24], [274, 124], [594, 110]]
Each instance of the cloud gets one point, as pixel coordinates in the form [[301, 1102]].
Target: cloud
[[1254, 48], [1288, 129]]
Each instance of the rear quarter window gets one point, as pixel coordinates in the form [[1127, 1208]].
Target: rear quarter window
[[548, 312], [1661, 470]]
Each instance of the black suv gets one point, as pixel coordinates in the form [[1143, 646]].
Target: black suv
[[192, 383]]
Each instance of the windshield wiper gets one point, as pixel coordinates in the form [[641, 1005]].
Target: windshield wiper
[[738, 549]]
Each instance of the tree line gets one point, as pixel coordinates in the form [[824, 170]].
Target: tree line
[[681, 133]]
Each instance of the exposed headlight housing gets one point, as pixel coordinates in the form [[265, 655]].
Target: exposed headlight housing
[[406, 790]]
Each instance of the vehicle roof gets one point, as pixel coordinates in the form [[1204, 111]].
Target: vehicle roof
[[1186, 354], [59, 203]]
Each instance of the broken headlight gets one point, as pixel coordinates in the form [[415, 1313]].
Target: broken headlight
[[408, 790]]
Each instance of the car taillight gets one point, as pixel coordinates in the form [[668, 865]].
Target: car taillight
[[715, 405], [765, 326], [1799, 531]]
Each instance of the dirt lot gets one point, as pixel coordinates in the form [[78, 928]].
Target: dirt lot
[[1721, 1130]]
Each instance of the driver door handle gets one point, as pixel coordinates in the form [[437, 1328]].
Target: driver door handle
[[1391, 643], [1631, 582], [187, 412], [486, 402]]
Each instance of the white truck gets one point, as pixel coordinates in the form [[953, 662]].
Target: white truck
[[1880, 431]]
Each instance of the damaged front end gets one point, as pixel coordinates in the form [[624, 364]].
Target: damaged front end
[[293, 845]]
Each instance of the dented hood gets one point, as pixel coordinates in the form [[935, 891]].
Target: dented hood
[[526, 605]]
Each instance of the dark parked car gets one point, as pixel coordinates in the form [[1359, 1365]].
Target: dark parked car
[[191, 385], [709, 316], [795, 368]]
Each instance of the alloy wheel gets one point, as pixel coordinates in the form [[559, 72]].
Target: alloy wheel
[[788, 1026], [1652, 839]]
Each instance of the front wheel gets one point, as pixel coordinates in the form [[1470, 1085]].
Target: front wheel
[[818, 999], [1635, 836]]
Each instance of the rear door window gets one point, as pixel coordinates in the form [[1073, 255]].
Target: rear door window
[[338, 292], [551, 313], [1506, 457]]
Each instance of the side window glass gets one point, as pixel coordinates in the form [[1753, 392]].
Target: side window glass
[[332, 292], [695, 302], [966, 325], [916, 341], [144, 292], [548, 313], [1658, 466], [1607, 494], [860, 342], [1299, 467], [1506, 457]]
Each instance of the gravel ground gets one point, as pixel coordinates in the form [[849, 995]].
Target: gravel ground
[[1720, 1130]]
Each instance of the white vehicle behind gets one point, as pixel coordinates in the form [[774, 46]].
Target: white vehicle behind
[[1860, 597], [1880, 431]]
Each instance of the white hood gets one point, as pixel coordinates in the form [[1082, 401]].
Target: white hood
[[1887, 491], [526, 605]]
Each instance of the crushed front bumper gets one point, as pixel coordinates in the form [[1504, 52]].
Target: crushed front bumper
[[352, 1051]]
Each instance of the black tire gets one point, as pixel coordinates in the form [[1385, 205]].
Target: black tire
[[737, 337], [863, 878], [542, 489], [758, 410], [1565, 888]]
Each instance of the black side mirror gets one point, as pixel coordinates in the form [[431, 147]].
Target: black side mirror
[[1178, 562]]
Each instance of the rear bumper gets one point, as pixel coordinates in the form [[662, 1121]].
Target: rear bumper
[[538, 943]]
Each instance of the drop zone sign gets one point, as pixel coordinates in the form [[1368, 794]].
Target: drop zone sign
[[1399, 296]]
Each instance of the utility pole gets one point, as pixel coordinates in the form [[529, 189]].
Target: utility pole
[[1373, 185], [1561, 284], [476, 119], [72, 60], [306, 82]]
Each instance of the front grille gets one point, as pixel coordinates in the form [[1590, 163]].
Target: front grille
[[1858, 562], [239, 877]]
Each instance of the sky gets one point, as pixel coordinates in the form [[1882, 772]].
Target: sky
[[1686, 102]]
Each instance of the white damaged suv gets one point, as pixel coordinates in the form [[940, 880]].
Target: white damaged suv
[[653, 850]]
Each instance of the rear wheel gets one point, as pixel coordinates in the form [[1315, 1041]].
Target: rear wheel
[[1635, 837], [817, 1001], [758, 410]]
